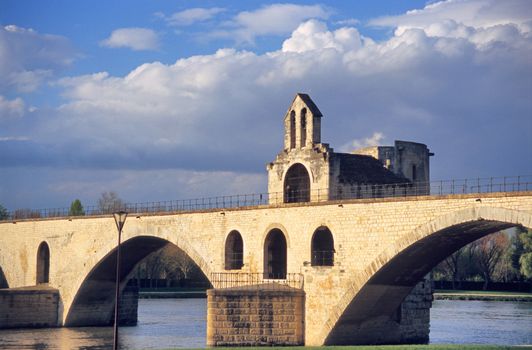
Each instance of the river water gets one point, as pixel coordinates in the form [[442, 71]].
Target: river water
[[173, 323]]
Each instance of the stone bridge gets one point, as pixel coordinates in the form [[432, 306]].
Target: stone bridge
[[378, 250]]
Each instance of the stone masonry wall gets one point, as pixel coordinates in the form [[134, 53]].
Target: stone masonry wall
[[30, 307], [368, 233], [414, 317], [252, 316]]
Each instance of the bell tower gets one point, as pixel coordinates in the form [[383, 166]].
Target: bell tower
[[301, 168], [302, 124]]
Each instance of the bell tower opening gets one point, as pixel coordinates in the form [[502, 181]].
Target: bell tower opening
[[292, 130], [303, 127], [297, 184]]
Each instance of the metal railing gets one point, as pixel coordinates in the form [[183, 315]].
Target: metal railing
[[234, 260], [255, 280], [345, 192], [322, 258]]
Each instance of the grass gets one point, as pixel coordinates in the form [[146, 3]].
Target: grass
[[480, 292], [390, 347]]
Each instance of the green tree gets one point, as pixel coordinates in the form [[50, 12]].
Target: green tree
[[3, 213], [525, 261], [517, 248], [76, 209]]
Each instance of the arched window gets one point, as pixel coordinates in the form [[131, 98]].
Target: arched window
[[414, 172], [43, 263], [275, 255], [297, 184], [322, 247], [292, 130], [303, 127], [234, 251]]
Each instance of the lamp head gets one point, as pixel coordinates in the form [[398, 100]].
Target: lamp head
[[120, 219]]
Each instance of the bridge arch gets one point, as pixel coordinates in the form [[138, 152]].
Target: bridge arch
[[377, 292], [43, 264], [93, 304]]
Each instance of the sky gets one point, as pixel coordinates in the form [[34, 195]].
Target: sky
[[164, 99]]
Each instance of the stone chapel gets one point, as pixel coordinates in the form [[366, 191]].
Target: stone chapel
[[308, 170]]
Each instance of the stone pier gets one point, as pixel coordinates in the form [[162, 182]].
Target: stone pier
[[259, 315], [29, 307]]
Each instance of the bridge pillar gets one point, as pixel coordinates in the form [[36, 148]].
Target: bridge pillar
[[29, 307], [266, 314], [409, 324]]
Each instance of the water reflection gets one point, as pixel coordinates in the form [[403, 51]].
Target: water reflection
[[163, 323], [170, 323]]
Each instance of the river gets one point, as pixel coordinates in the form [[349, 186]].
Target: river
[[172, 323]]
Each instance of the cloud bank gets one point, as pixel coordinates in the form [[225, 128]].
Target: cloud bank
[[460, 85], [28, 58]]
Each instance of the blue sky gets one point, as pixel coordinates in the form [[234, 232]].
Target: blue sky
[[161, 100]]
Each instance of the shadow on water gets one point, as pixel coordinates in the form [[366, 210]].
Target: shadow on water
[[168, 323]]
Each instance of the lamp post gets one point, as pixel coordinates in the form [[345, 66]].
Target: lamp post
[[120, 219]]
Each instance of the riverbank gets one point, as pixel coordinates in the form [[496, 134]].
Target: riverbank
[[172, 293], [481, 295], [390, 347], [438, 295]]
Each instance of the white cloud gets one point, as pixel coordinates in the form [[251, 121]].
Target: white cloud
[[313, 35], [348, 22], [471, 13], [28, 58], [137, 39], [191, 16], [11, 108], [14, 138], [275, 19], [374, 140]]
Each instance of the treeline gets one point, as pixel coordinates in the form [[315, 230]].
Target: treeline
[[108, 202], [504, 256], [168, 267]]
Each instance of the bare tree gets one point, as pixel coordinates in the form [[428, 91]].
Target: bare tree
[[109, 202], [451, 266], [488, 252], [26, 213], [185, 264]]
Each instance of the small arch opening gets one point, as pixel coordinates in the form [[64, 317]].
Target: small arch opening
[[414, 172], [43, 263], [234, 251], [322, 247], [297, 184], [303, 127], [275, 255], [3, 279], [292, 130]]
